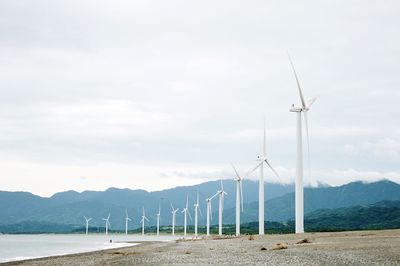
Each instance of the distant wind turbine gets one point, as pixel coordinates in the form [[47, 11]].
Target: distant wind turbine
[[87, 224], [186, 212], [196, 210], [239, 199], [299, 197], [127, 219], [221, 192], [143, 220], [173, 218], [158, 220], [107, 220], [262, 160], [209, 212]]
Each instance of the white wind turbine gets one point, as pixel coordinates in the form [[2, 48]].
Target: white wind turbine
[[239, 199], [107, 220], [196, 210], [221, 194], [263, 160], [209, 212], [87, 223], [143, 220], [186, 212], [158, 220], [127, 219], [299, 197], [173, 218]]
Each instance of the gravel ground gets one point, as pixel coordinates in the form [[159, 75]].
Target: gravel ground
[[344, 248]]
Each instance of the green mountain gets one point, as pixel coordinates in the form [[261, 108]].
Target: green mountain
[[357, 193], [68, 208]]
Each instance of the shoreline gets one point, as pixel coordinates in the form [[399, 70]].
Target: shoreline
[[328, 248]]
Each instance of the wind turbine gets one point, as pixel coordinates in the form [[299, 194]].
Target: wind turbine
[[107, 220], [299, 197], [186, 211], [87, 224], [142, 221], [209, 212], [158, 220], [221, 194], [196, 210], [127, 219], [173, 218], [239, 199], [262, 160]]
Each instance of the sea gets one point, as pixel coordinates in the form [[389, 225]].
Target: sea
[[22, 247]]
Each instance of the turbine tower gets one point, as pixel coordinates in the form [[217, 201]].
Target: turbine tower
[[186, 211], [239, 199], [158, 220], [173, 218], [262, 160], [221, 194], [196, 210], [209, 212], [143, 220], [299, 197], [107, 220], [87, 224], [127, 219]]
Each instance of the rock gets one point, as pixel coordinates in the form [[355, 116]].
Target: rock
[[280, 246]]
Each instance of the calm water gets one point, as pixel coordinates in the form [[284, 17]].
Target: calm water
[[19, 247]]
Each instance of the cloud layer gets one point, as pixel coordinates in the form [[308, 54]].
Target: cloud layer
[[150, 94]]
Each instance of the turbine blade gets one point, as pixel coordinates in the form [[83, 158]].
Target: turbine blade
[[190, 216], [264, 147], [222, 185], [237, 174], [310, 102], [255, 168], [303, 103], [241, 194], [172, 207], [273, 170], [198, 207], [308, 143], [210, 211]]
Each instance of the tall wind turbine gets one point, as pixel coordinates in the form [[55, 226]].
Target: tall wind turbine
[[299, 197], [87, 223], [209, 212], [127, 219], [186, 212], [196, 210], [262, 160], [107, 220], [143, 220], [239, 199], [221, 192], [173, 218], [158, 220]]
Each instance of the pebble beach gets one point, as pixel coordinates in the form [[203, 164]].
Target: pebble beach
[[342, 248]]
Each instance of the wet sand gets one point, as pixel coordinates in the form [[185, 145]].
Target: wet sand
[[343, 248]]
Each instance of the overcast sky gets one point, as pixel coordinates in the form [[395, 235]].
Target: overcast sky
[[156, 94]]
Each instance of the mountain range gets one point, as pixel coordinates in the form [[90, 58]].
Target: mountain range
[[68, 208]]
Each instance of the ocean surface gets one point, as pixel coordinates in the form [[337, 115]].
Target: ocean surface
[[21, 247]]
